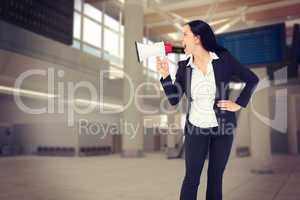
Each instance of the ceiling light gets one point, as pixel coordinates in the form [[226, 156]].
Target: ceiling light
[[220, 21]]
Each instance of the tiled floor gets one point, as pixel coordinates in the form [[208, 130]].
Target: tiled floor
[[150, 178]]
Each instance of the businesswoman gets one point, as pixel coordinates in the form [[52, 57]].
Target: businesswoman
[[210, 121]]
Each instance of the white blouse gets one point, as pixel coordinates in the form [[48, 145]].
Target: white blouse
[[203, 92]]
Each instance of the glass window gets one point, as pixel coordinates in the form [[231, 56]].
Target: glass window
[[78, 4], [92, 12], [122, 28], [91, 50], [111, 42], [111, 23], [77, 24], [112, 59], [92, 33], [122, 47], [76, 44]]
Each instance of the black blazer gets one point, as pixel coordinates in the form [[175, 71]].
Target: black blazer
[[225, 69]]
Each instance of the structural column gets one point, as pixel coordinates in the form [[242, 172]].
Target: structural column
[[293, 125], [259, 128], [171, 137], [132, 138]]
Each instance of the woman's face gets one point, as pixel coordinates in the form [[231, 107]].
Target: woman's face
[[189, 40]]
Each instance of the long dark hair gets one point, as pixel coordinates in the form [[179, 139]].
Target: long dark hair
[[207, 36]]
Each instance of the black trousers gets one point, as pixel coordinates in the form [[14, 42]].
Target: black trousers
[[196, 148]]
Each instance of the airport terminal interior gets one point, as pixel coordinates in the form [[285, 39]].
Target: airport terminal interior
[[83, 115]]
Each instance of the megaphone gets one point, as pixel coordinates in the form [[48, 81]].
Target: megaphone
[[145, 51]]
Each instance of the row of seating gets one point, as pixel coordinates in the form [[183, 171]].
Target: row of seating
[[55, 151], [95, 150], [70, 151], [10, 150]]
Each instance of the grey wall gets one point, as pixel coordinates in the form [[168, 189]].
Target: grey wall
[[30, 136]]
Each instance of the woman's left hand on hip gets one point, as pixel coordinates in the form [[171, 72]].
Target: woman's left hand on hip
[[228, 105]]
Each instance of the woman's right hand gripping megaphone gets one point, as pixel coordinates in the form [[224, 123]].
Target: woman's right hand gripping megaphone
[[162, 66]]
